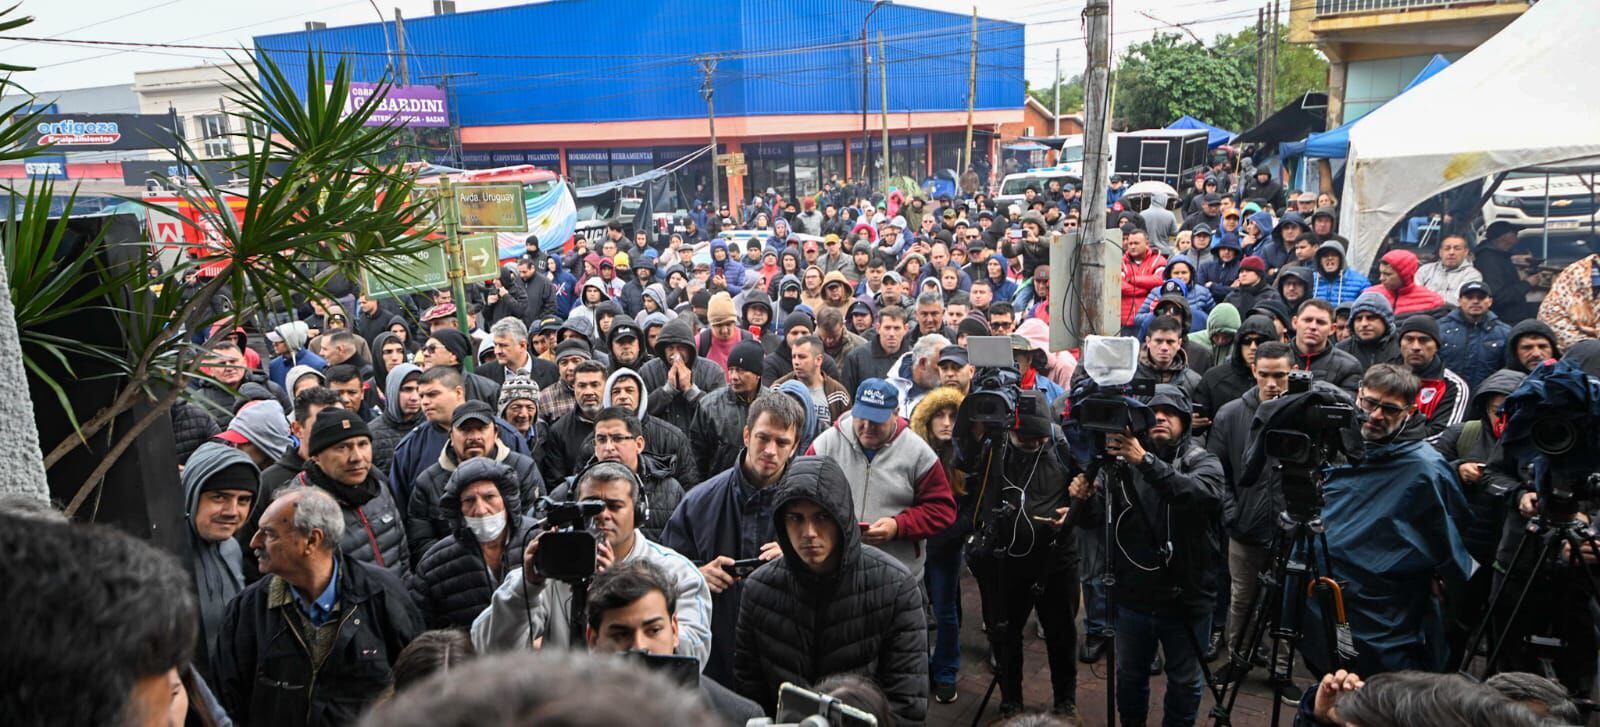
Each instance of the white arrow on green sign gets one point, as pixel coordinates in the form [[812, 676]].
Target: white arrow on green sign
[[426, 271]]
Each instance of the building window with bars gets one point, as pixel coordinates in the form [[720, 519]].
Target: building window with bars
[[214, 132]]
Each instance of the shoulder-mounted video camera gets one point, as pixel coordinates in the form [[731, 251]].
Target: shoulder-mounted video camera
[[1301, 431], [995, 398], [567, 550]]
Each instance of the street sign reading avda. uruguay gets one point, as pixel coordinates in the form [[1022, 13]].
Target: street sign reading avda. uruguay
[[491, 207]]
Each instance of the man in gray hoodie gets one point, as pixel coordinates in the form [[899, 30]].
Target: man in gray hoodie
[[219, 485], [402, 412]]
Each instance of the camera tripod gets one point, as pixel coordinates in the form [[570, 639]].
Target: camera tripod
[[1279, 601], [1554, 527]]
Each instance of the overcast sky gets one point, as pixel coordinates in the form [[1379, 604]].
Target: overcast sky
[[1052, 25]]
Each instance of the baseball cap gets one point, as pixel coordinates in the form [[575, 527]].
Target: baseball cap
[[1476, 287], [876, 401], [473, 410], [953, 354]]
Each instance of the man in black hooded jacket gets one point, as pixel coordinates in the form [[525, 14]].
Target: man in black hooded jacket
[[1531, 342], [1227, 381], [1165, 555], [455, 578], [856, 608], [678, 376], [1372, 338]]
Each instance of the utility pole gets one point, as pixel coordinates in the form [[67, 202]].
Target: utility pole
[[1272, 66], [866, 68], [972, 95], [708, 66], [1055, 126], [400, 38], [455, 123], [1089, 256], [883, 84], [1261, 46]]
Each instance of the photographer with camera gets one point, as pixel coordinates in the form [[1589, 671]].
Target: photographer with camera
[[1391, 519], [1165, 552], [1250, 509], [1021, 561], [527, 607]]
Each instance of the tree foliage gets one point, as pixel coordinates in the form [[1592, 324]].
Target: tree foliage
[[1163, 78], [1300, 67], [1071, 95], [1167, 76]]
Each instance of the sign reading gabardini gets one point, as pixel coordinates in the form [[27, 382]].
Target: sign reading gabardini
[[418, 106]]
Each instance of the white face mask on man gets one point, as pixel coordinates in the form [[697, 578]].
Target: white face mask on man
[[487, 528]]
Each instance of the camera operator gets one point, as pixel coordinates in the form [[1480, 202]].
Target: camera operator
[[528, 607], [633, 607], [1165, 550], [1391, 517], [1021, 488], [1250, 509]]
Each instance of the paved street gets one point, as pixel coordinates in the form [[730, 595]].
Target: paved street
[[1253, 709]]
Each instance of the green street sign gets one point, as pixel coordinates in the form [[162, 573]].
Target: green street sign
[[490, 207], [401, 276], [483, 257]]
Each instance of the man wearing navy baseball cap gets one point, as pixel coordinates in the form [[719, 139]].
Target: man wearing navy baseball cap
[[899, 488]]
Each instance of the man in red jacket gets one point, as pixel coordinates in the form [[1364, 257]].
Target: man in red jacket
[[1141, 272], [1397, 274]]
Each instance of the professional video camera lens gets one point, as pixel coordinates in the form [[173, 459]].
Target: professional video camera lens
[[1554, 436]]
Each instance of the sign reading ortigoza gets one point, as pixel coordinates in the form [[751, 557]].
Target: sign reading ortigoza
[[99, 132]]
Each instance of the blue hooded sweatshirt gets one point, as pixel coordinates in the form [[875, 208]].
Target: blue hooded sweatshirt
[[732, 269], [1218, 276], [1004, 288]]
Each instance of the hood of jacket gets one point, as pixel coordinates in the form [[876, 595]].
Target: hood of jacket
[[658, 293], [758, 298], [1331, 246], [644, 392], [481, 469], [789, 281], [1184, 261], [597, 284], [1173, 397], [1501, 382], [1299, 273], [622, 322], [678, 331], [837, 276], [792, 252], [1263, 222], [1374, 302], [1223, 319], [1585, 355], [1405, 264], [1529, 327], [294, 335], [1288, 218], [302, 370], [1177, 293], [822, 481], [933, 402], [1258, 325], [391, 391], [217, 568], [794, 388]]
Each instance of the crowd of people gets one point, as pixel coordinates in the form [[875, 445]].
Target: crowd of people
[[758, 416]]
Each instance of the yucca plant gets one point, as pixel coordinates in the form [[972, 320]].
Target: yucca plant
[[317, 201]]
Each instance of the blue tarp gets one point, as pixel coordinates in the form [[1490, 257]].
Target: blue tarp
[[1335, 143], [1218, 136]]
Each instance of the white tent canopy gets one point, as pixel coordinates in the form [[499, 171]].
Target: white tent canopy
[[1527, 96]]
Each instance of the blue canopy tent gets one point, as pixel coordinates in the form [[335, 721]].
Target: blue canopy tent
[[1335, 143], [1217, 138]]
